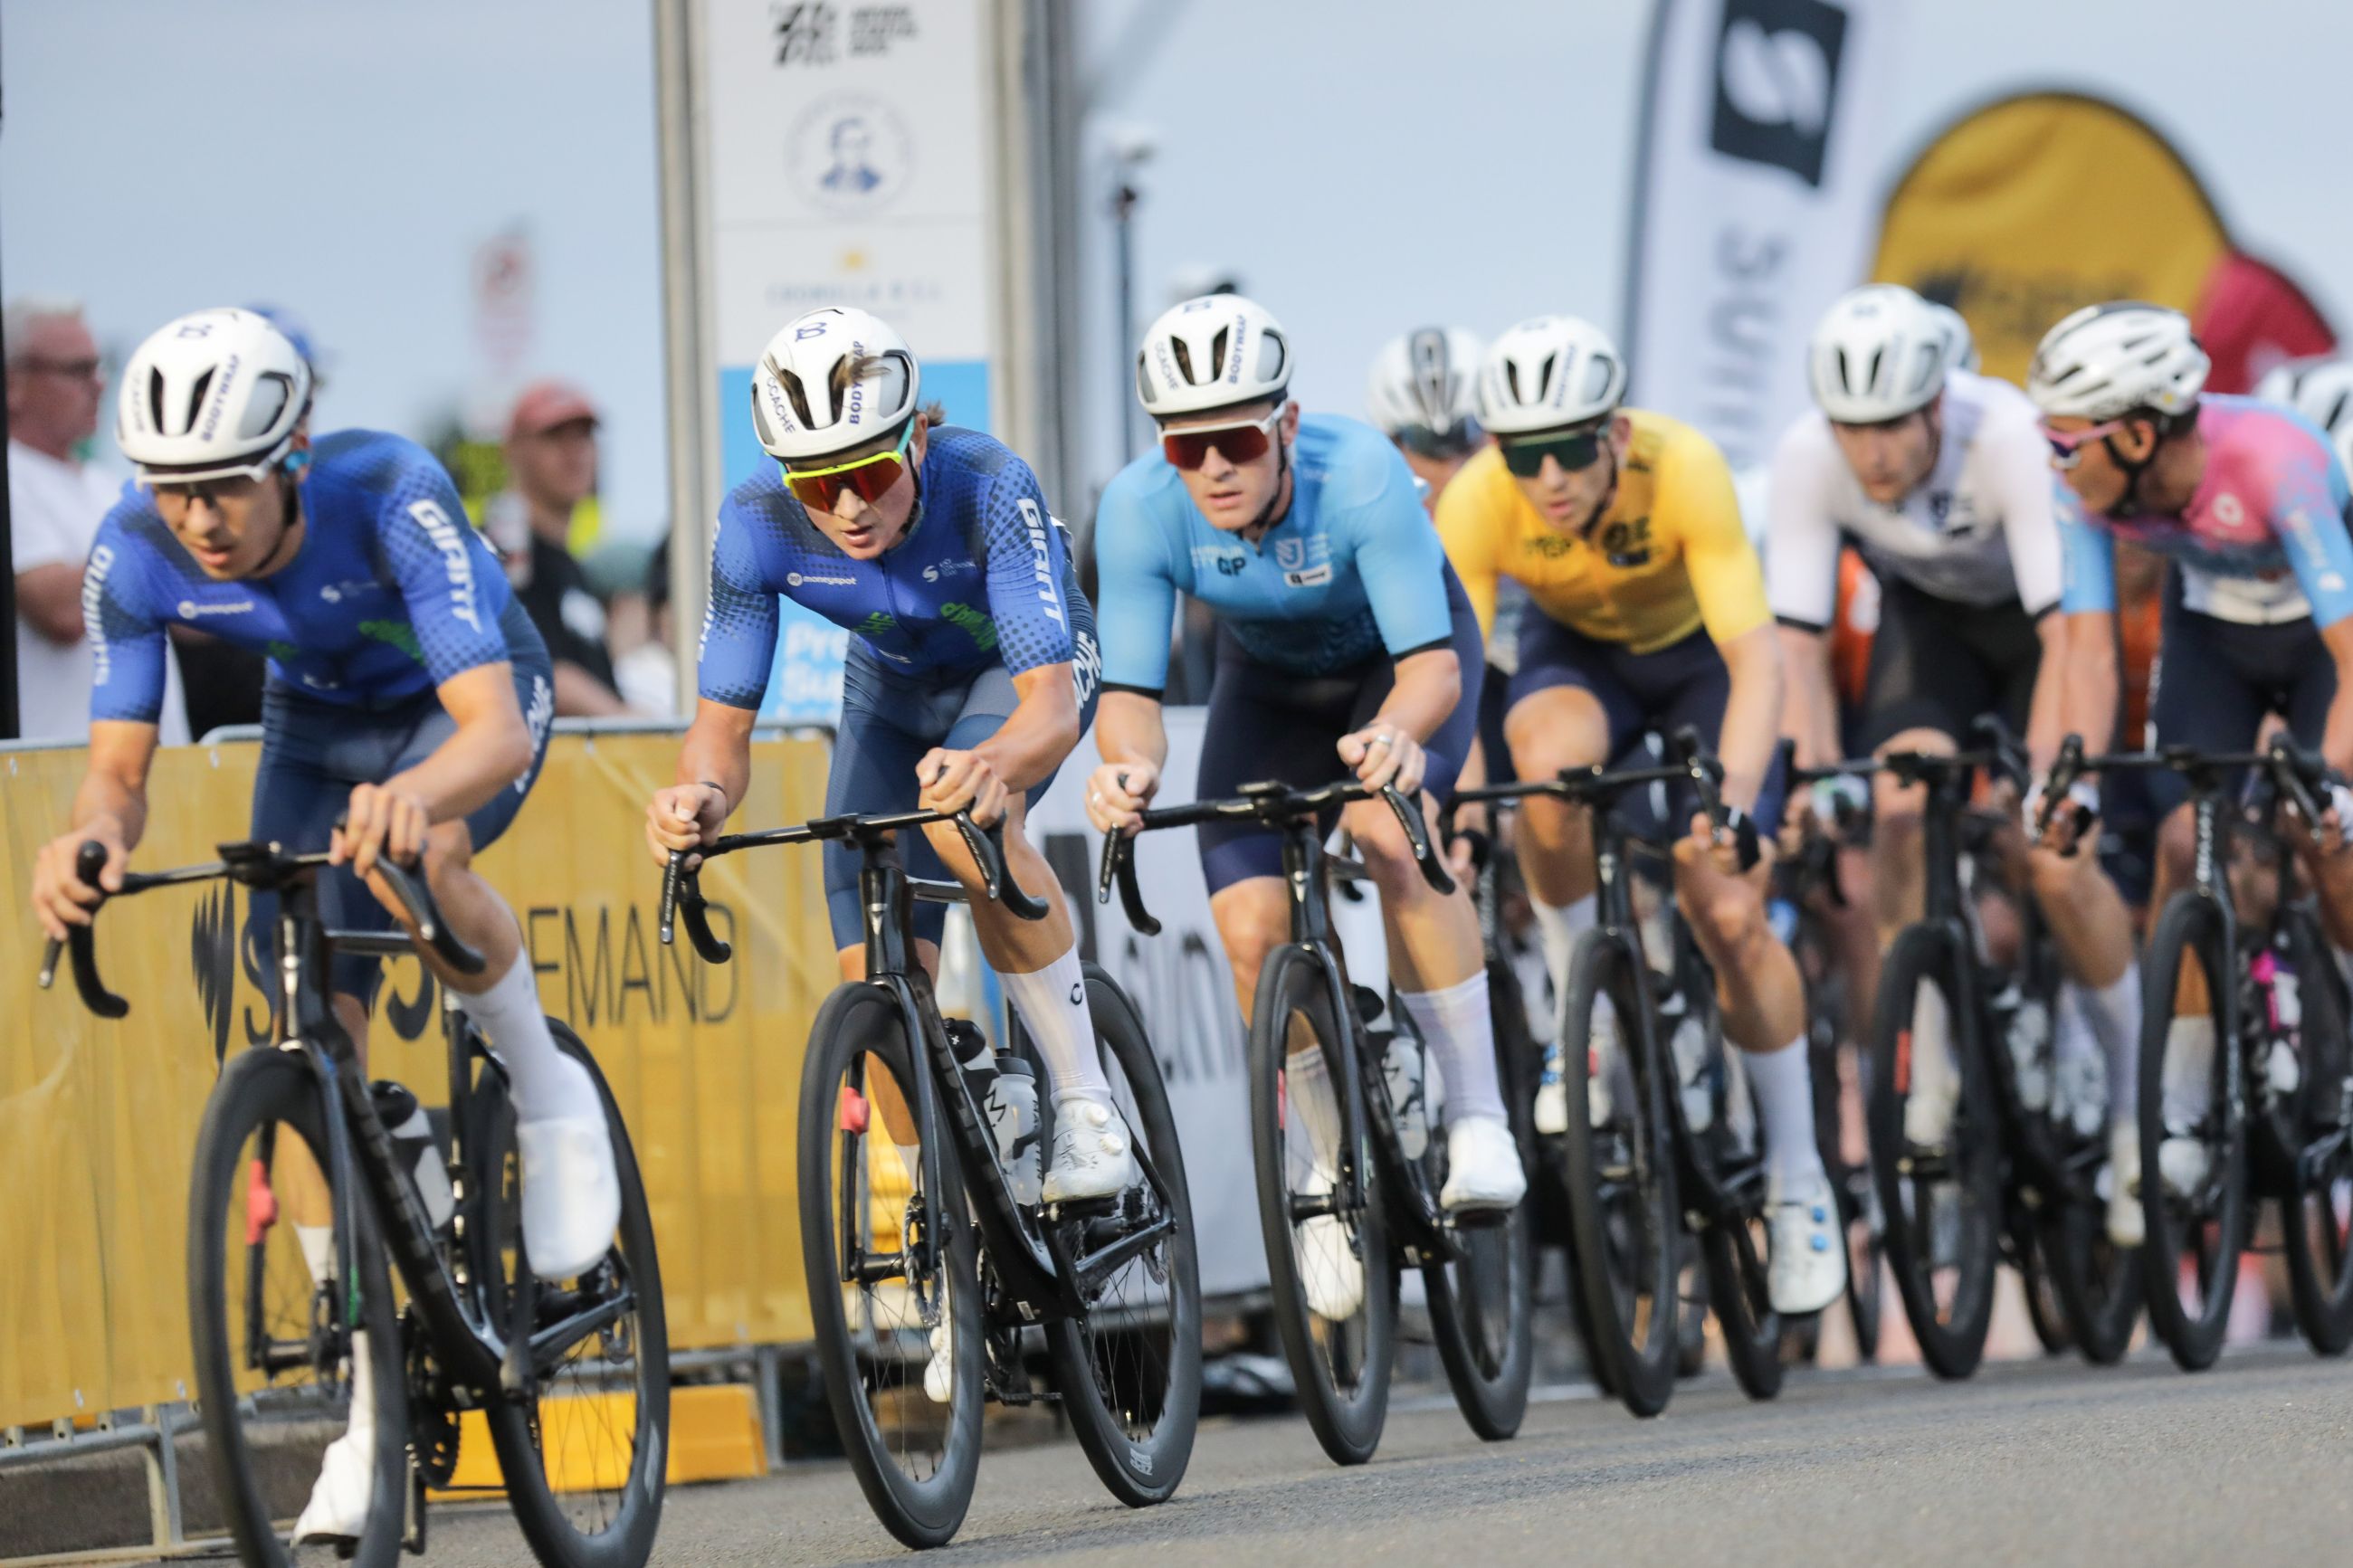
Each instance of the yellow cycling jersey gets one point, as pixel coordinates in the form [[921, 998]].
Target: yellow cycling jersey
[[1669, 557]]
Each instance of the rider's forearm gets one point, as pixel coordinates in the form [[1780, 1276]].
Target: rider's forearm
[[1040, 731], [2336, 737], [2091, 687], [1809, 699], [1752, 716], [2046, 721], [114, 785], [718, 749], [1128, 729], [1428, 687]]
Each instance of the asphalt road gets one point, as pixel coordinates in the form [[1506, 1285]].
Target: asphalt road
[[2048, 1461]]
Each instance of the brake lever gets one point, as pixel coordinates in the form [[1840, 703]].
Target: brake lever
[[1119, 865], [82, 943], [682, 894], [1416, 836], [987, 848]]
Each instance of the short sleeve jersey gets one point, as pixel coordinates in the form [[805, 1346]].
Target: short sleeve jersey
[[2263, 540], [983, 577], [1350, 570], [1976, 532], [1669, 557], [391, 594]]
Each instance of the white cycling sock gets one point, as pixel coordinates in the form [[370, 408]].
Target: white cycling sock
[[1052, 1002], [1308, 1094], [2188, 1071], [2114, 1013], [318, 1244], [363, 1424], [1457, 1025], [1557, 928], [545, 1084], [1783, 1083]]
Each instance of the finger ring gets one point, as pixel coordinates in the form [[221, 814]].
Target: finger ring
[[1380, 740]]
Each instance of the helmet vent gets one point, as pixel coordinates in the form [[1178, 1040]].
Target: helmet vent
[[1599, 370], [1221, 347], [196, 399], [791, 381], [1184, 361], [270, 396]]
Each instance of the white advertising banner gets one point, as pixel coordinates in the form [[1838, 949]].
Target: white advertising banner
[[1754, 201], [848, 163]]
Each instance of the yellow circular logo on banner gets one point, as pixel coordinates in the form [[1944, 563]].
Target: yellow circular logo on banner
[[2033, 206]]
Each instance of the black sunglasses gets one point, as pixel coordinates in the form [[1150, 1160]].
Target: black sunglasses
[[1572, 449], [1459, 439]]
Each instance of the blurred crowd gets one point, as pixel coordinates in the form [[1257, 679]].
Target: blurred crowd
[[604, 610]]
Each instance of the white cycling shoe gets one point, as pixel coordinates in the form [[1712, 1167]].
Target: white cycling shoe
[[1094, 1155], [2184, 1163], [1806, 1268], [571, 1193], [1482, 1167], [2127, 1227], [939, 1372], [1329, 1269], [1608, 1076], [338, 1507]]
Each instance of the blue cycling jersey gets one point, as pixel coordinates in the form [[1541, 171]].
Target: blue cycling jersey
[[391, 594], [2262, 542], [1352, 567], [983, 577]]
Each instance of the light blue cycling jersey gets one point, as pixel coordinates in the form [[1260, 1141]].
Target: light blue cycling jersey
[[983, 577], [391, 594], [2263, 542], [1354, 567]]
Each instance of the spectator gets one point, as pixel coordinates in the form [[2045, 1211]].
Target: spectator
[[552, 465], [55, 502]]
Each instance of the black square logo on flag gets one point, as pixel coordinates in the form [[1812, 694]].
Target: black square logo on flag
[[1776, 67]]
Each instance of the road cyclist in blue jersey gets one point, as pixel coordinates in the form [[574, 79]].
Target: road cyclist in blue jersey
[[2248, 501], [970, 676], [408, 695], [1346, 646]]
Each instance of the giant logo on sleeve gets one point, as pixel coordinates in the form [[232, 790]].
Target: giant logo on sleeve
[[1776, 68]]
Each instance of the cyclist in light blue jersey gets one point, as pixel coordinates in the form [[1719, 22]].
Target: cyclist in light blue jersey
[[407, 692], [1345, 643], [971, 670]]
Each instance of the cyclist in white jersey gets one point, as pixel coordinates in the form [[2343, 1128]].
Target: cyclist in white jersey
[[1942, 480]]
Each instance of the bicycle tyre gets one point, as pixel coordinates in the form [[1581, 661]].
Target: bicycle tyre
[[1164, 1379], [922, 1510], [1345, 1404], [623, 1535], [2046, 1313], [258, 1090], [2312, 1226], [1482, 1309], [1639, 1347], [1949, 1327], [2190, 928], [2099, 1283]]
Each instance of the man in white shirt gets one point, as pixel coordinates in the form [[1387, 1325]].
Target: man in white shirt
[[56, 502]]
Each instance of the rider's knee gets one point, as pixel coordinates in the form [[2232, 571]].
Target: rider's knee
[[2177, 843], [948, 844], [1247, 939]]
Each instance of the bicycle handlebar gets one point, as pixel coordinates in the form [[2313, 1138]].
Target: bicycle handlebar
[[2294, 772], [1272, 803], [683, 887], [259, 865]]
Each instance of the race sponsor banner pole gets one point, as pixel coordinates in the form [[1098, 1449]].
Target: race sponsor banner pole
[[1754, 202]]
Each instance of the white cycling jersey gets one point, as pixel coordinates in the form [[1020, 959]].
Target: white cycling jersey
[[1977, 531]]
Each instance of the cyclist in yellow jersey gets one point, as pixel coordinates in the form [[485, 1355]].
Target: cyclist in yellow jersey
[[1647, 612]]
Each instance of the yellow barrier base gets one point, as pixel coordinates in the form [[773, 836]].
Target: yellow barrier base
[[715, 1436]]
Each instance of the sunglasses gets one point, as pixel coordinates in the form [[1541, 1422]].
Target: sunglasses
[[2067, 446], [871, 477], [1457, 440], [1245, 441], [1573, 450]]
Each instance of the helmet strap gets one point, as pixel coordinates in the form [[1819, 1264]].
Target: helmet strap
[[1268, 515]]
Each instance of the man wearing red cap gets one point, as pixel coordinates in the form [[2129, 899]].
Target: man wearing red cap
[[551, 452]]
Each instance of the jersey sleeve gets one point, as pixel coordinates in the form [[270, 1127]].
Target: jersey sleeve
[[128, 654], [1470, 531], [1135, 590], [1028, 572], [1398, 559], [2018, 479], [739, 618], [1726, 578], [2087, 556], [1801, 542], [436, 559]]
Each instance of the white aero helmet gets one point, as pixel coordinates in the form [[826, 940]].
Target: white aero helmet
[[1212, 351], [213, 395], [1425, 387], [2108, 359], [833, 379], [1549, 371], [1961, 343], [2322, 391], [1880, 353]]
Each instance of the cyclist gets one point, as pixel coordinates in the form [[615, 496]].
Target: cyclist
[[1942, 479], [1342, 633], [1647, 612], [408, 694], [1424, 396], [2249, 502], [970, 675]]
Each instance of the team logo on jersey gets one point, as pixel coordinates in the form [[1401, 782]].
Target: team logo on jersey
[[795, 579], [454, 557], [939, 569], [190, 609], [93, 602], [1290, 554], [1041, 560], [1311, 577]]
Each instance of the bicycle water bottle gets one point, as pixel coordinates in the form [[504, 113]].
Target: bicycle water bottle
[[2029, 1026], [412, 1136], [1402, 1068], [2282, 1070], [1694, 1073], [1006, 1088]]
